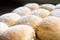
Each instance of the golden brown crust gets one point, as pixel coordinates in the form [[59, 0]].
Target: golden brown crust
[[22, 11], [18, 32], [49, 7], [49, 29], [9, 18], [32, 6], [40, 12], [30, 20]]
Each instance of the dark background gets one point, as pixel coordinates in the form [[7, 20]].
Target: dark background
[[8, 5]]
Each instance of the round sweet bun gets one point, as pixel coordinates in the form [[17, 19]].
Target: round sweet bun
[[57, 6], [49, 29], [9, 18], [3, 27], [55, 12], [49, 7], [22, 11], [18, 32], [30, 20], [40, 12], [32, 6]]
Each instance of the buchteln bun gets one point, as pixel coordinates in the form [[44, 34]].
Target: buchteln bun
[[49, 29], [31, 20], [3, 27], [22, 11], [40, 12], [18, 32], [32, 6], [9, 18], [55, 12], [49, 7], [57, 6]]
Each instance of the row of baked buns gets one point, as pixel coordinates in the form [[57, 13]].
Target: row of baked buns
[[31, 22]]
